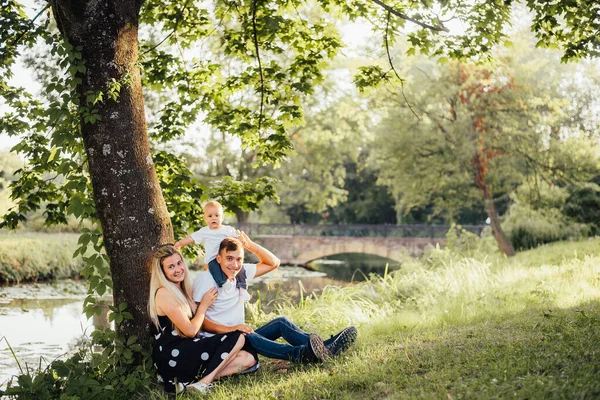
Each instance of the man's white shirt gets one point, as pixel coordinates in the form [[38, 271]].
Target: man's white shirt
[[228, 308]]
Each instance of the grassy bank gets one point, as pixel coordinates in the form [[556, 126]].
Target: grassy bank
[[37, 257], [450, 327]]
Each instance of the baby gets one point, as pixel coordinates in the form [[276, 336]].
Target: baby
[[211, 236]]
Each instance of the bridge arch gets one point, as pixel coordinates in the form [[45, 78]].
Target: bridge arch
[[300, 250], [354, 246]]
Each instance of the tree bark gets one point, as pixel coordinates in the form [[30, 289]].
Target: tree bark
[[503, 242], [127, 194], [490, 208], [242, 216]]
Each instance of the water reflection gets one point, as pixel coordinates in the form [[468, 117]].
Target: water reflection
[[38, 335], [40, 322], [338, 270], [353, 267], [288, 285]]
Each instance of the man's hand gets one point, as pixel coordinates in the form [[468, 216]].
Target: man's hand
[[244, 328]]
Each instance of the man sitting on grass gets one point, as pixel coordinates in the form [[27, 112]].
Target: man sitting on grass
[[226, 314]]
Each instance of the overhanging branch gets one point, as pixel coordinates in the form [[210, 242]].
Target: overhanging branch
[[387, 50], [260, 69], [440, 28]]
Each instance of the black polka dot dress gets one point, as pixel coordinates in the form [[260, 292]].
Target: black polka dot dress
[[181, 361]]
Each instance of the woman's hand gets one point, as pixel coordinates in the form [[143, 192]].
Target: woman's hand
[[209, 298], [244, 328]]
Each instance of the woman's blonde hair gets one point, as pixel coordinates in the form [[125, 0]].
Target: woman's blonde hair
[[158, 280]]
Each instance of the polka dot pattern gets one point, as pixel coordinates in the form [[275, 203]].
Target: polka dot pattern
[[180, 360]]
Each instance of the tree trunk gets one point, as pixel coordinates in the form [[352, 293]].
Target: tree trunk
[[242, 216], [127, 194], [503, 242]]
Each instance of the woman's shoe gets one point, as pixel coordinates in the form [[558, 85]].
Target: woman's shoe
[[199, 387]]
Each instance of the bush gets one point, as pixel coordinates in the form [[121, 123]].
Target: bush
[[528, 228], [38, 257], [583, 205], [536, 217]]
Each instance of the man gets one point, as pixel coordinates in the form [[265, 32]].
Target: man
[[226, 314]]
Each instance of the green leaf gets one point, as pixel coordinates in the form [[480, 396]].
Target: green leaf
[[52, 154]]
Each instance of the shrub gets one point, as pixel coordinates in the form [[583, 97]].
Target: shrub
[[38, 257], [583, 205], [528, 228], [535, 217]]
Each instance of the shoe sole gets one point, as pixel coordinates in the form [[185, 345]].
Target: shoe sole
[[318, 348], [346, 338], [253, 368]]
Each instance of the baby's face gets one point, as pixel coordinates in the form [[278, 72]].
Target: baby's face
[[213, 216]]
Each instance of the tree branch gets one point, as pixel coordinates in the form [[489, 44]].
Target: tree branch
[[387, 50], [389, 9], [262, 79], [172, 32], [18, 39]]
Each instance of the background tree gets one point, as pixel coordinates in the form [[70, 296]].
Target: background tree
[[481, 134]]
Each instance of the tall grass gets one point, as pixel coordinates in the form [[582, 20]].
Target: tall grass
[[451, 327], [37, 257], [444, 288]]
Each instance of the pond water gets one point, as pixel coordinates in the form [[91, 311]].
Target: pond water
[[42, 322]]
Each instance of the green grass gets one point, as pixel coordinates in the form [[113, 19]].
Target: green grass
[[28, 257], [555, 253], [448, 327]]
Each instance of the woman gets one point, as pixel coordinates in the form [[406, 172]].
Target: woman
[[182, 360]]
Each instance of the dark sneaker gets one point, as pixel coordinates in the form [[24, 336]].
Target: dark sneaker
[[341, 342], [314, 351]]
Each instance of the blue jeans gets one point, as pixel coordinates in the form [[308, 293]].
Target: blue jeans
[[263, 340]]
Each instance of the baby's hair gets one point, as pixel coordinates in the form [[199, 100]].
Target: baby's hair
[[212, 203]]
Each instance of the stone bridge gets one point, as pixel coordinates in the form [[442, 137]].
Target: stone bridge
[[300, 244]]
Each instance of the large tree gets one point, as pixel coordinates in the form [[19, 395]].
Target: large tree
[[477, 132], [85, 135]]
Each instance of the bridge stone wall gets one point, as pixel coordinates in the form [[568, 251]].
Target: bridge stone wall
[[300, 250]]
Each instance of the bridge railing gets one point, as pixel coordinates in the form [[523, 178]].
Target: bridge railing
[[359, 230]]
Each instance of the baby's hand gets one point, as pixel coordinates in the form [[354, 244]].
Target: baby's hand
[[244, 239]]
